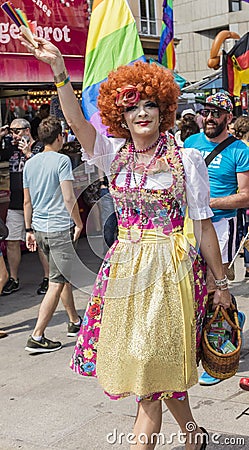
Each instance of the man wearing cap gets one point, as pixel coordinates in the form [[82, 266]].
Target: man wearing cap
[[187, 115], [228, 176]]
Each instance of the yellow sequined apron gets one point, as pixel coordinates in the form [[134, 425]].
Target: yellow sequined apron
[[147, 336]]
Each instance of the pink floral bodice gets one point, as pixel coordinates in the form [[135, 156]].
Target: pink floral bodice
[[161, 207]]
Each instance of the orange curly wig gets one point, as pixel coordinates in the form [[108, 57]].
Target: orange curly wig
[[152, 81]]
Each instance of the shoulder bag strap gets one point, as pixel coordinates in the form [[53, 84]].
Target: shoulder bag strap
[[219, 149]]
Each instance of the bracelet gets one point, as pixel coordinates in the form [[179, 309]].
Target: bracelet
[[29, 230], [223, 289], [61, 77], [222, 282], [62, 83]]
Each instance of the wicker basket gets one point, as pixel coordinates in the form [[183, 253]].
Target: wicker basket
[[216, 364]]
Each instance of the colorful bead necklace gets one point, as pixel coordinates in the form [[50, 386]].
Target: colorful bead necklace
[[158, 152], [143, 150]]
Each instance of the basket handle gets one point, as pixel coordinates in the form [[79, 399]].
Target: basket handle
[[226, 316], [214, 316]]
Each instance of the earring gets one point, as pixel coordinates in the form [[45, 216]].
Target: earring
[[124, 125], [160, 118]]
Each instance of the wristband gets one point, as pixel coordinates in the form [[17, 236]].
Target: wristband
[[61, 77], [62, 83], [29, 230]]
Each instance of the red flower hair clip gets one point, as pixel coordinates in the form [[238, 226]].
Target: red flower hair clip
[[127, 96]]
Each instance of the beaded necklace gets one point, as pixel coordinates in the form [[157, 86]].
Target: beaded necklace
[[139, 186], [143, 150]]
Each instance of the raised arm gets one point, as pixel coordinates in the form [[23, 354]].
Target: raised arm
[[50, 54]]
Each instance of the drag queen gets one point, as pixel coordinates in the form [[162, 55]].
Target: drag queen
[[141, 331]]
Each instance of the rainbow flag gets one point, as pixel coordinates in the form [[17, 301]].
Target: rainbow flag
[[166, 52], [112, 41]]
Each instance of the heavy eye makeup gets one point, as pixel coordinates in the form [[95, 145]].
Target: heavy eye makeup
[[151, 104], [130, 108], [148, 104]]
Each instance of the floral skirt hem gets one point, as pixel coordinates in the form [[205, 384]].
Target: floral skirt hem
[[151, 397], [165, 395]]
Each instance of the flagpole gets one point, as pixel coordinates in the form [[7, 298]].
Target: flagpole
[[243, 240]]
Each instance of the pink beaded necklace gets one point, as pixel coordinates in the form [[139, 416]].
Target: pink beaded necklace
[[158, 152], [143, 150]]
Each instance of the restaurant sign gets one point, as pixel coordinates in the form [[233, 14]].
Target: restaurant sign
[[64, 22]]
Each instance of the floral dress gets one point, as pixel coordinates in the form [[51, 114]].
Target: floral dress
[[142, 327]]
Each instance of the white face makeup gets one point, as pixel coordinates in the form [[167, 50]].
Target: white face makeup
[[142, 118]]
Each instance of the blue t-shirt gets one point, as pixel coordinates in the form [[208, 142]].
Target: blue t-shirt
[[42, 175], [223, 169]]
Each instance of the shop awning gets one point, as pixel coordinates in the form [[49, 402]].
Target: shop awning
[[20, 69], [213, 81]]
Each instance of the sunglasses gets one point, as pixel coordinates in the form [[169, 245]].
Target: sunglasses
[[216, 113], [16, 130]]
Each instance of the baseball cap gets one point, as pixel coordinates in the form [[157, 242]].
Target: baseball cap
[[220, 100], [185, 112]]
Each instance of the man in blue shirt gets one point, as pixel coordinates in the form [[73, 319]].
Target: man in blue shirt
[[52, 221], [228, 176]]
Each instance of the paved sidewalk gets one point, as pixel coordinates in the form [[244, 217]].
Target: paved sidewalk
[[44, 405]]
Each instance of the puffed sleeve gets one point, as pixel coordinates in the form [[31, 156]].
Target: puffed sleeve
[[197, 184], [104, 151]]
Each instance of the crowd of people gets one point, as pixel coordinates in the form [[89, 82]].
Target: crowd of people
[[150, 345]]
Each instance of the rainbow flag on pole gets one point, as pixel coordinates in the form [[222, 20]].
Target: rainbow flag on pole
[[166, 52], [112, 41]]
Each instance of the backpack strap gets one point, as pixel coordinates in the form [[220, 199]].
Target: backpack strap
[[219, 149]]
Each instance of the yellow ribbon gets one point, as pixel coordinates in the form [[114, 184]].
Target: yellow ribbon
[[188, 229], [180, 249]]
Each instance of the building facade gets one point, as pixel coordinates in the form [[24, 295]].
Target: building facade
[[197, 23]]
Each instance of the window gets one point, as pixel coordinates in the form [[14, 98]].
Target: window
[[234, 5], [148, 17]]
